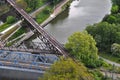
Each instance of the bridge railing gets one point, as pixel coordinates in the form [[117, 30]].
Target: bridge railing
[[16, 59]]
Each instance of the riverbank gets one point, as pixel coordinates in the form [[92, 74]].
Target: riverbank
[[58, 9], [106, 34]]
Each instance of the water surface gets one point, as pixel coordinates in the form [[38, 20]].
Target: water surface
[[80, 14]]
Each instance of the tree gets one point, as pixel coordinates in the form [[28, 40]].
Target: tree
[[115, 48], [117, 37], [67, 69], [82, 46], [105, 35], [116, 2], [111, 19], [32, 4], [10, 19], [115, 9]]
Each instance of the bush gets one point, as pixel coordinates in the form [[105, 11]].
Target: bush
[[82, 46], [115, 9], [91, 63], [11, 19], [97, 75]]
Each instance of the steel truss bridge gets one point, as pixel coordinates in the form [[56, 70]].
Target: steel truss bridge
[[21, 57], [37, 62], [44, 36], [29, 46]]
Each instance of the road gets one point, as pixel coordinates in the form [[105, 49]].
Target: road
[[111, 62]]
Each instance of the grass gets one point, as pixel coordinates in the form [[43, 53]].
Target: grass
[[18, 33], [11, 43], [44, 14], [4, 26], [41, 3], [110, 57]]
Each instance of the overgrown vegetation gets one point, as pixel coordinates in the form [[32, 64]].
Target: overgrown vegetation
[[107, 32], [110, 57], [10, 20], [4, 26], [30, 5], [18, 33], [44, 14], [82, 46], [67, 69]]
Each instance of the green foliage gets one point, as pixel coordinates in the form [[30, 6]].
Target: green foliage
[[4, 26], [110, 57], [47, 10], [18, 33], [115, 49], [82, 46], [41, 17], [44, 14], [105, 35], [111, 19], [116, 2], [54, 1], [28, 9], [115, 9], [67, 69], [34, 4], [97, 74], [11, 19]]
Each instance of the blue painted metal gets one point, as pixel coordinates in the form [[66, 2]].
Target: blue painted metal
[[25, 60]]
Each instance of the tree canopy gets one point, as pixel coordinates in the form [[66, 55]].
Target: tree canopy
[[116, 49], [105, 35], [82, 46], [11, 19], [67, 69]]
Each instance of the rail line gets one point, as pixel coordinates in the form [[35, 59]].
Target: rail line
[[44, 33]]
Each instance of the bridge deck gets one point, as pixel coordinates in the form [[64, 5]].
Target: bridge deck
[[26, 60], [47, 36], [28, 50]]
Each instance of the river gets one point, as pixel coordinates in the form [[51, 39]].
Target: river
[[80, 14]]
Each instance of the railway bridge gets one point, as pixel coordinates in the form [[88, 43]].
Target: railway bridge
[[22, 58], [44, 36]]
